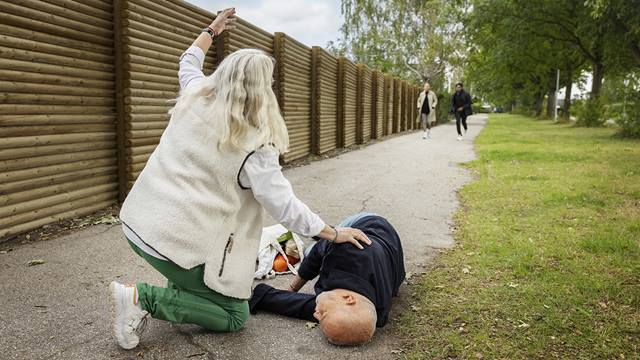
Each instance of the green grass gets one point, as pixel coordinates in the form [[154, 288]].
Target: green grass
[[547, 261]]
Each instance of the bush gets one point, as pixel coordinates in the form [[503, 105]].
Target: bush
[[590, 114], [629, 121], [444, 108]]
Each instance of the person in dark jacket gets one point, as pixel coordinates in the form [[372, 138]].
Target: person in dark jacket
[[461, 108], [354, 288]]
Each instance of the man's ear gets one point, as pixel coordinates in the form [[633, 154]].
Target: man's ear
[[349, 299]]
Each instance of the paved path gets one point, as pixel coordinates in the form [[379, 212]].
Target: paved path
[[60, 310]]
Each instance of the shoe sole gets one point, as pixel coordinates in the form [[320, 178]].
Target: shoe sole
[[117, 308]]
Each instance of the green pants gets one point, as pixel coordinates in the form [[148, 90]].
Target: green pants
[[187, 299]]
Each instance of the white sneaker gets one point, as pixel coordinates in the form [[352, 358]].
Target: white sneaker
[[459, 138], [424, 135], [130, 319], [429, 134]]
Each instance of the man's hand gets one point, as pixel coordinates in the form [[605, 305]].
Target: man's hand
[[460, 108], [297, 283], [225, 20]]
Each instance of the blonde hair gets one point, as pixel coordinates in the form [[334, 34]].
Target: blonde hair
[[240, 102]]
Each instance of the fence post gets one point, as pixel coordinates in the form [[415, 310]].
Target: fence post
[[315, 96], [374, 104], [359, 104], [118, 15], [340, 104], [278, 39]]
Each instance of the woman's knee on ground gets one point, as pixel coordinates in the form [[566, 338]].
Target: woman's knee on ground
[[238, 317]]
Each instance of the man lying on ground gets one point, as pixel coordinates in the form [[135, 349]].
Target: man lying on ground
[[354, 287]]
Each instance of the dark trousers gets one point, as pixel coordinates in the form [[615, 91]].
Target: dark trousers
[[461, 116]]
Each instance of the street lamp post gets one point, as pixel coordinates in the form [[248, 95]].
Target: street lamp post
[[555, 106]]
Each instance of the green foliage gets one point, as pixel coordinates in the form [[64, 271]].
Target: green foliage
[[590, 113], [547, 259], [444, 108], [416, 40], [629, 119]]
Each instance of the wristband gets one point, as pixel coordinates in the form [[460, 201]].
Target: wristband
[[211, 32], [335, 238]]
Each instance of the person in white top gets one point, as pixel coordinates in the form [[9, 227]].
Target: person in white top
[[427, 102], [195, 213]]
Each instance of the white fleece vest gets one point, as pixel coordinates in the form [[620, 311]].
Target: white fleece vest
[[187, 204]]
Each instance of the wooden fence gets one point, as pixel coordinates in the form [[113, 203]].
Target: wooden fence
[[86, 86]]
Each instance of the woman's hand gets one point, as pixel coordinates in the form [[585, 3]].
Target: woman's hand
[[354, 236], [343, 235], [225, 20]]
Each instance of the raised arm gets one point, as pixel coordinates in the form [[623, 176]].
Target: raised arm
[[225, 20], [192, 59]]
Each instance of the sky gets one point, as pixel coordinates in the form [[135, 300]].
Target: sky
[[312, 22]]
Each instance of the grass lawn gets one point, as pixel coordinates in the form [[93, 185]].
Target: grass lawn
[[547, 262]]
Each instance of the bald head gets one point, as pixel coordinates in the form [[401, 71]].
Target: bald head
[[346, 317]]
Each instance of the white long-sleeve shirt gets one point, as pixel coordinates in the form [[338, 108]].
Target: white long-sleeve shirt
[[261, 173]]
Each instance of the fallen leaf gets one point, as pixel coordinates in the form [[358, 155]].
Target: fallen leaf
[[439, 286], [310, 325], [523, 325], [107, 219], [35, 262], [604, 305], [513, 285], [408, 276], [466, 270], [415, 308]]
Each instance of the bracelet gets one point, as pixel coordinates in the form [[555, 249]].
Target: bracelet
[[335, 238], [211, 32]]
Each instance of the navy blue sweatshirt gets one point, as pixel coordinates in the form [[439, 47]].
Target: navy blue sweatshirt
[[375, 272]]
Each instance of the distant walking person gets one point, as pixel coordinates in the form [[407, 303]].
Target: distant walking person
[[461, 108], [427, 102]]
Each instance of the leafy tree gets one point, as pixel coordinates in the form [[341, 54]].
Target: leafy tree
[[420, 40]]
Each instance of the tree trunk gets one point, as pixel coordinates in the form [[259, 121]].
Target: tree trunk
[[551, 104], [598, 74], [566, 107], [538, 105]]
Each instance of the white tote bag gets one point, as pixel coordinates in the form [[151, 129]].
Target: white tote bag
[[270, 247]]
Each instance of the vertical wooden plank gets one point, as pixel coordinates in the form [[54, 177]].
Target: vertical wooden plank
[[340, 104], [385, 127], [374, 103], [118, 17], [394, 125], [359, 104], [405, 94], [315, 97], [278, 49]]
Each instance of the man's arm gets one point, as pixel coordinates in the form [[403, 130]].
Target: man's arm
[[282, 302], [311, 264], [467, 103]]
